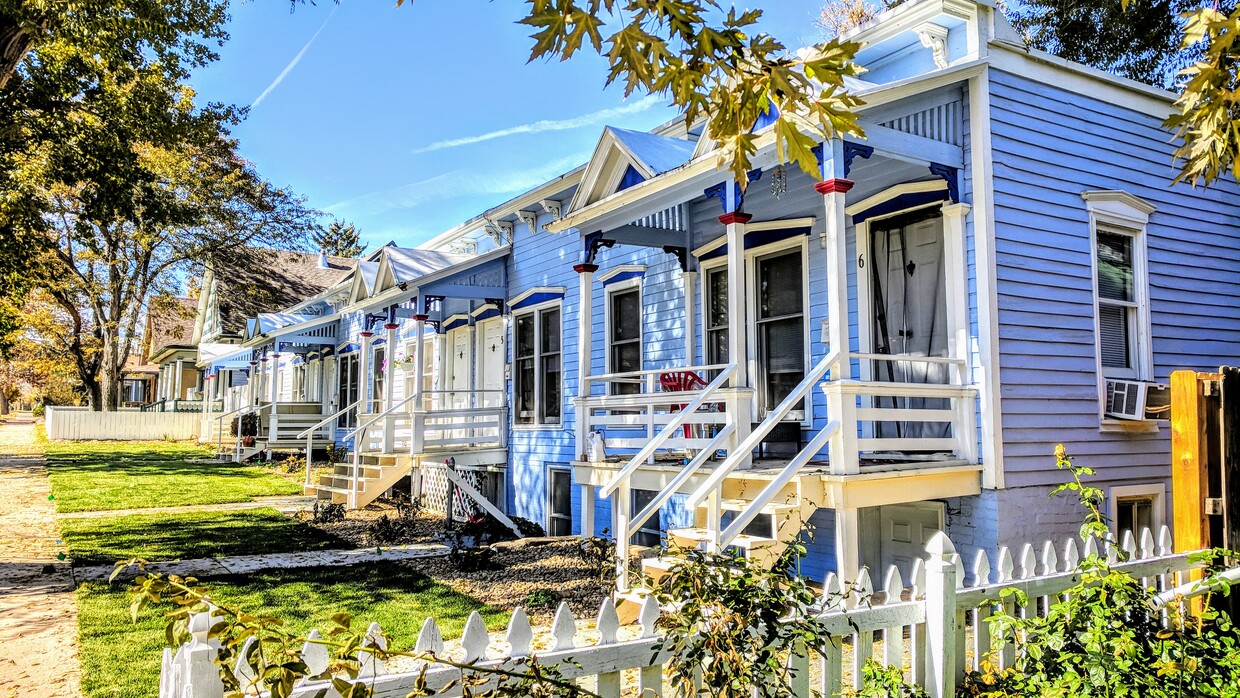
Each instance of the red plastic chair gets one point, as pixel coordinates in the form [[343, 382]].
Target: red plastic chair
[[679, 382]]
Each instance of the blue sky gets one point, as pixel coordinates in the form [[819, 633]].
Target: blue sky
[[407, 121]]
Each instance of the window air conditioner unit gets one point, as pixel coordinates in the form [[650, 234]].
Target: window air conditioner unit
[[1137, 400]]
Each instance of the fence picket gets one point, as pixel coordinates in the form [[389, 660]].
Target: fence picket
[[939, 604], [520, 633]]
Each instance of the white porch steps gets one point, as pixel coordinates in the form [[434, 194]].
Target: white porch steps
[[787, 515], [376, 474]]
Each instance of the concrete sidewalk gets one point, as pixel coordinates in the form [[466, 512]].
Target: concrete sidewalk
[[245, 564], [38, 609]]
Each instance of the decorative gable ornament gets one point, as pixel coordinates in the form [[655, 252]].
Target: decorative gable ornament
[[934, 37], [500, 232]]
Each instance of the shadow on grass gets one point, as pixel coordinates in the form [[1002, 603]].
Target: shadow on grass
[[161, 537], [120, 659]]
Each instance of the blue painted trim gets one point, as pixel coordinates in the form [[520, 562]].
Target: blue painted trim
[[378, 343], [348, 349], [760, 238], [591, 243], [720, 191], [453, 324], [536, 298], [899, 203], [487, 314], [852, 151], [631, 178], [952, 176], [624, 276], [766, 118]]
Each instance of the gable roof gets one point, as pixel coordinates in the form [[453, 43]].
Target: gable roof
[[401, 265], [169, 324], [625, 157], [283, 279]]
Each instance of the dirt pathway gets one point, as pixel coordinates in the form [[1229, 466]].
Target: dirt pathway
[[38, 610]]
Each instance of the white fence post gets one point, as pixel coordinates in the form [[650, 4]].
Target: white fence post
[[941, 617]]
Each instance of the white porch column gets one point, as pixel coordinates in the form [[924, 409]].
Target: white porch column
[[363, 373], [833, 189], [689, 278], [738, 336], [587, 510], [204, 424], [275, 381], [251, 384], [389, 386], [179, 379], [417, 419], [585, 328], [847, 545], [955, 267]]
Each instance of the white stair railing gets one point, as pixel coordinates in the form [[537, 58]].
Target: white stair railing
[[742, 452], [620, 481], [357, 452], [309, 433]]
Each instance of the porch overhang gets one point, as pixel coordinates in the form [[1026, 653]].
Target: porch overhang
[[900, 486]]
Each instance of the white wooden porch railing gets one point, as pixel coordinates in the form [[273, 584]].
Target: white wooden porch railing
[[239, 413], [358, 435], [308, 434], [475, 418], [680, 414], [645, 415], [931, 627]]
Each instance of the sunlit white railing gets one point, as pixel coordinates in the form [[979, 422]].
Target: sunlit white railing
[[309, 433]]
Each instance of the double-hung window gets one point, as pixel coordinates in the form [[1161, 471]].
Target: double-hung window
[[537, 369], [1121, 301], [624, 336]]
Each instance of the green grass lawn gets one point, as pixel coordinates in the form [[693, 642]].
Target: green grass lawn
[[107, 475], [121, 659], [103, 541]]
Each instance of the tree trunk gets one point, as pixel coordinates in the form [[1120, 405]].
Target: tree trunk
[[4, 403], [15, 43], [109, 386]]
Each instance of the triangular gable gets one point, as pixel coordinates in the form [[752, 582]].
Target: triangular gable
[[362, 283], [625, 158]]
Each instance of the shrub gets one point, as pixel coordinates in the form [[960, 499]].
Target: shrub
[[38, 410], [473, 559], [248, 425], [327, 512], [529, 529], [388, 531], [542, 598]]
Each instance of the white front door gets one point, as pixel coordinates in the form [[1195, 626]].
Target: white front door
[[904, 530], [460, 364], [491, 357]]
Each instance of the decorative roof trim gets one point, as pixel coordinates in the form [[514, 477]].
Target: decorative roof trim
[[536, 295], [1120, 207], [622, 273]]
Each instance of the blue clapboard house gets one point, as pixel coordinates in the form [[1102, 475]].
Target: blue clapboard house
[[864, 357]]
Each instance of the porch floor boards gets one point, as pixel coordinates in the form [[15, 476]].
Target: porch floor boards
[[771, 466]]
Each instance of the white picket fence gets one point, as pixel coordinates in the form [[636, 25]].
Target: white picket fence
[[83, 424], [935, 629]]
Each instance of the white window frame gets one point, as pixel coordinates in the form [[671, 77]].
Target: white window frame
[[622, 287], [751, 302], [1118, 212], [567, 470], [536, 311], [1156, 491], [797, 242]]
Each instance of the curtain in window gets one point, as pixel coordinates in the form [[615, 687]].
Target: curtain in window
[[909, 302]]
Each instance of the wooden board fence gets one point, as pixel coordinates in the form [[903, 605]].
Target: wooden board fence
[[918, 625], [82, 424]]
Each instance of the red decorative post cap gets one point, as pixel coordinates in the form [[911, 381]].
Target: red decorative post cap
[[735, 217], [585, 268], [421, 318], [391, 326], [832, 186], [367, 334]]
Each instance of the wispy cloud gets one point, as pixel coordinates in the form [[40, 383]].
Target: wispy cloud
[[454, 184], [293, 63], [544, 125]]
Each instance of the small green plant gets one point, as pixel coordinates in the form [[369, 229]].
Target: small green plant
[[38, 410], [336, 454], [1107, 635], [477, 559], [327, 512], [878, 681], [292, 464], [599, 554], [388, 531], [542, 598]]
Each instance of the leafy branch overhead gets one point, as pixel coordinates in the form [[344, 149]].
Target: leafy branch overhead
[[711, 66], [1208, 122]]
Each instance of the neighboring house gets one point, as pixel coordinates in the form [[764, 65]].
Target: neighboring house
[[887, 350], [168, 346], [138, 383]]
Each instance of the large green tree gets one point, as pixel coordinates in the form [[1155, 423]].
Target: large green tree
[[137, 186]]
